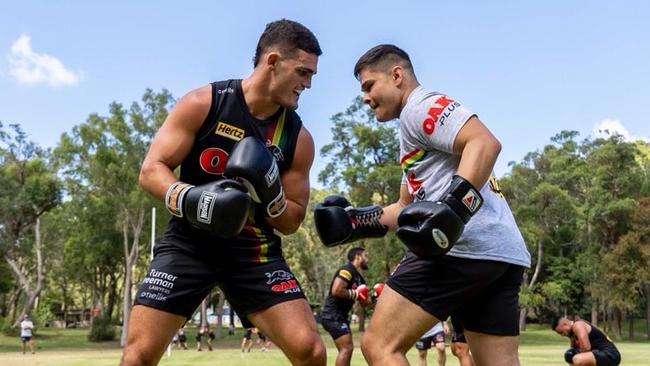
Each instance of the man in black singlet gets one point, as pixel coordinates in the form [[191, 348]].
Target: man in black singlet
[[590, 346], [347, 287], [244, 158]]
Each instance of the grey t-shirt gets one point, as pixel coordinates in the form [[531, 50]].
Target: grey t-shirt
[[429, 124]]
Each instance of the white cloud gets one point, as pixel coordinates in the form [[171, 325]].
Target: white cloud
[[609, 126], [30, 68]]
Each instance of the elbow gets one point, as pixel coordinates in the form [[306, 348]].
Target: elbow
[[289, 229], [145, 172], [495, 147]]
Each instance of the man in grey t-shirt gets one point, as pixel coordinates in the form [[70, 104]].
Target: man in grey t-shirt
[[466, 255]]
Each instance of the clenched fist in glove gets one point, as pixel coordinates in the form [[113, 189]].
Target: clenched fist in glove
[[219, 207], [432, 228], [253, 164], [337, 222]]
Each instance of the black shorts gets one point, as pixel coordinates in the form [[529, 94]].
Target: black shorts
[[248, 334], [181, 275], [26, 339], [607, 357], [482, 294], [425, 343], [336, 328]]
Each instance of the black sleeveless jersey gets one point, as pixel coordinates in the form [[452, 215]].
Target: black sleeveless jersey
[[597, 338], [336, 308], [228, 121]]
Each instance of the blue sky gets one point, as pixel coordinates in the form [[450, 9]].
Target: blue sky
[[529, 69]]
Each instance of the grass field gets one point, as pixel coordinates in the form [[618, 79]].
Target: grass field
[[539, 347]]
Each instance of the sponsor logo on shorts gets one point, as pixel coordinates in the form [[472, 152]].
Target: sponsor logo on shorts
[[279, 275], [227, 90], [344, 326], [229, 131], [286, 287]]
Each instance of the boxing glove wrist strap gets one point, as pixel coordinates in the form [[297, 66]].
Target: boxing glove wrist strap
[[174, 197], [463, 198], [365, 221]]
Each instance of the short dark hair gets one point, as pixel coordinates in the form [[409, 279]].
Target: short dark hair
[[554, 321], [352, 253], [288, 36], [382, 56]]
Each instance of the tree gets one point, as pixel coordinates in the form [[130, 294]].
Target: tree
[[28, 189], [104, 155]]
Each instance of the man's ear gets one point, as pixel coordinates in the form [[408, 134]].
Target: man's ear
[[272, 59], [397, 74]]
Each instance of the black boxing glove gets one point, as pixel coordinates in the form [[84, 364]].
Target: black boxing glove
[[432, 228], [252, 163], [568, 355], [219, 207], [337, 222]]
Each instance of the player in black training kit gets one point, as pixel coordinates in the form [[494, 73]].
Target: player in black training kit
[[347, 287], [244, 159], [590, 346]]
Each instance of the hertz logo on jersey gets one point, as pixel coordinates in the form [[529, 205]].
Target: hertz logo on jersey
[[228, 131]]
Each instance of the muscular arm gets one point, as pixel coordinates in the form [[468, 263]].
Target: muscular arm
[[295, 182], [581, 331], [339, 288], [389, 218], [478, 149], [173, 141]]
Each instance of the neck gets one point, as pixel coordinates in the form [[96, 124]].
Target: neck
[[408, 89], [257, 96]]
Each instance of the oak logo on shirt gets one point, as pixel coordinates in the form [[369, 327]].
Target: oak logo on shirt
[[228, 131], [435, 115]]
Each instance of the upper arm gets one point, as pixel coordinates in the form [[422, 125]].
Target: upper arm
[[473, 131], [174, 140], [295, 180], [339, 287], [581, 331]]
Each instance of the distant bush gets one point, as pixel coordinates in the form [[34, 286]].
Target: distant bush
[[102, 330], [7, 328]]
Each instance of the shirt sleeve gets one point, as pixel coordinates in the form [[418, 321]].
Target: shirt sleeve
[[434, 122], [344, 274]]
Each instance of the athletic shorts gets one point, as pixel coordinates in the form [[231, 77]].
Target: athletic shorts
[[336, 328], [482, 294], [261, 336], [425, 343], [607, 357], [26, 339], [181, 275]]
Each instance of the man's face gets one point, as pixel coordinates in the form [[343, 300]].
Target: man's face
[[381, 93], [563, 328], [292, 75], [364, 260]]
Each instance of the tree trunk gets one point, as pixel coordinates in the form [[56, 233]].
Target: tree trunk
[[23, 278], [630, 329], [647, 311], [594, 312], [130, 257], [361, 315], [112, 295], [617, 323], [204, 313]]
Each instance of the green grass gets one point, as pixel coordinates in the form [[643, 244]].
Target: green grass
[[69, 347]]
